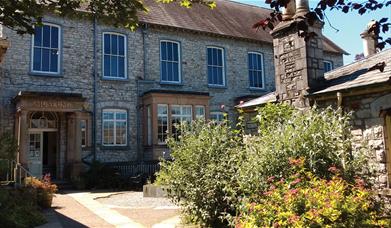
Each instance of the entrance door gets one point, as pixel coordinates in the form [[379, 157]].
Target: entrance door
[[35, 153]]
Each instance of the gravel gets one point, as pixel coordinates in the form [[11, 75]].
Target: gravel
[[135, 200]]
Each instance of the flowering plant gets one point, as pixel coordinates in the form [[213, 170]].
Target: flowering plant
[[305, 200], [45, 189]]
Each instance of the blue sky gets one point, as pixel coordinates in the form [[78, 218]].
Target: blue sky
[[350, 26]]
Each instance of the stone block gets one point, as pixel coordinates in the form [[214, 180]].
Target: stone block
[[154, 191], [356, 132], [380, 155]]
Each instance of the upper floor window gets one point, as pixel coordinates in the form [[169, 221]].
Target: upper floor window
[[46, 49], [255, 70], [114, 127], [170, 61], [328, 65], [215, 59], [114, 55]]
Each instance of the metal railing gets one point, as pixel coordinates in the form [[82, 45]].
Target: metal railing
[[129, 169], [15, 173]]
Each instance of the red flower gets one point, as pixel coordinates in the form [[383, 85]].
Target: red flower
[[294, 191], [296, 181]]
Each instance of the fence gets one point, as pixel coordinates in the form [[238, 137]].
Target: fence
[[131, 169]]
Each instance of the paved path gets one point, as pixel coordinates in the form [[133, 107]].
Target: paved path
[[87, 209]]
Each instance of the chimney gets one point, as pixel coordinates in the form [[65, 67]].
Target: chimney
[[369, 40], [4, 44], [298, 63]]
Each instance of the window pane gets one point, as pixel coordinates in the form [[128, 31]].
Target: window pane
[[106, 65], [163, 49], [106, 43], [175, 110], [176, 72], [37, 59], [45, 59], [38, 36], [54, 37], [121, 45], [108, 132], [121, 67], [169, 51], [162, 109], [108, 116], [176, 52], [46, 36], [120, 116], [164, 71], [210, 56], [219, 61], [220, 75], [121, 133], [114, 44], [210, 75], [114, 66], [53, 60], [169, 72], [259, 63]]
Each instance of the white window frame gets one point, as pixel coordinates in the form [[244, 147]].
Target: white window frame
[[181, 116], [330, 63], [222, 62], [217, 113], [149, 125], [170, 61], [115, 111], [125, 56], [59, 51], [262, 69], [197, 115]]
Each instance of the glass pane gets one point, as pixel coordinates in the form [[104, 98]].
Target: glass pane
[[162, 110], [254, 61], [45, 59], [176, 52], [114, 66], [108, 115], [210, 56], [259, 65], [186, 110], [54, 38], [53, 60], [219, 57], [46, 36], [106, 65], [169, 70], [250, 61], [108, 132], [121, 67], [176, 72], [120, 116], [37, 59], [164, 71], [38, 36], [169, 51], [114, 44], [121, 45], [210, 75], [251, 76], [220, 76], [163, 50], [259, 79], [120, 133], [215, 75], [106, 44]]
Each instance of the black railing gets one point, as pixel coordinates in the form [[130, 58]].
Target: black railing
[[131, 169]]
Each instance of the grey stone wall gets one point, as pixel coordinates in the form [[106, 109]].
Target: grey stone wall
[[369, 129], [336, 59], [77, 77], [194, 67]]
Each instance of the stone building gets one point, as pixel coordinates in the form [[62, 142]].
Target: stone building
[[79, 89], [362, 87]]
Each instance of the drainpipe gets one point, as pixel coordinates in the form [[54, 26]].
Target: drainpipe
[[94, 91], [339, 99]]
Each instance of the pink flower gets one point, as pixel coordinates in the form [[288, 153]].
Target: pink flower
[[270, 179], [272, 187], [333, 169], [294, 191], [222, 107], [298, 180]]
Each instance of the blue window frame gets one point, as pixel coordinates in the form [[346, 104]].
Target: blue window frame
[[46, 49], [114, 56], [255, 70], [328, 65], [170, 59], [216, 72]]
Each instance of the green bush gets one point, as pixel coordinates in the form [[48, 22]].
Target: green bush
[[19, 209], [201, 176], [8, 146], [99, 176], [214, 167], [305, 200]]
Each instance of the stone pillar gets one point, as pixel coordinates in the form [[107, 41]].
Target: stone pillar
[[74, 163], [23, 137], [298, 63]]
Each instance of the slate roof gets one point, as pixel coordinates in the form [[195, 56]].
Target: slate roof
[[270, 97], [356, 74], [230, 19]]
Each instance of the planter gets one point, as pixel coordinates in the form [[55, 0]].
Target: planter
[[45, 199]]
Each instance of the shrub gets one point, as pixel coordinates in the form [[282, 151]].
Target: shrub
[[201, 176], [8, 146], [100, 176], [215, 167], [305, 200], [18, 208], [44, 188]]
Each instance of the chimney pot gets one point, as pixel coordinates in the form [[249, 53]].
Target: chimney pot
[[369, 40]]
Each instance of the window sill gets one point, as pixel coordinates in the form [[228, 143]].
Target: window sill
[[114, 79], [171, 83], [103, 147], [217, 86], [47, 75]]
